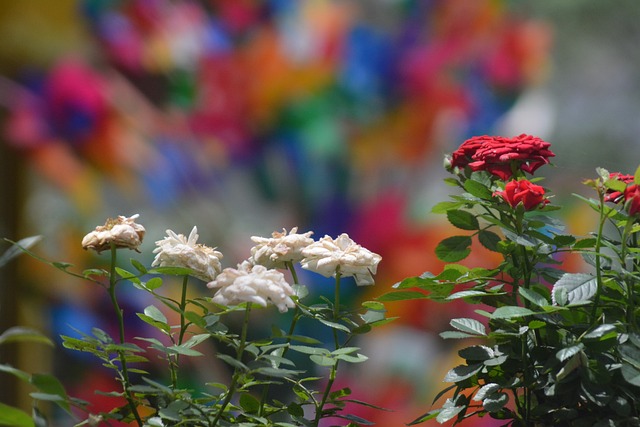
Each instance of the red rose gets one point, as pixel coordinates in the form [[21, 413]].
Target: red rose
[[525, 192], [500, 156], [616, 196], [632, 199]]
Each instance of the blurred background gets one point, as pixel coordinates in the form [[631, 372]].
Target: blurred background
[[248, 116]]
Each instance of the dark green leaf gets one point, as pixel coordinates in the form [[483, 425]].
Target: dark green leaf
[[402, 296], [489, 240], [533, 297], [463, 219], [478, 189], [565, 353], [495, 402], [604, 331], [476, 352], [453, 249], [249, 403]]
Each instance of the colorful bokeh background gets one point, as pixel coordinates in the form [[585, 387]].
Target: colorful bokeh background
[[248, 116]]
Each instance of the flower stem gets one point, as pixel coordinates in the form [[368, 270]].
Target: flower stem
[[292, 327], [334, 367], [236, 370], [598, 247], [175, 359], [126, 384]]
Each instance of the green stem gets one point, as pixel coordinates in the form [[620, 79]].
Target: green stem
[[598, 247], [174, 360], [631, 311], [334, 367], [125, 372], [236, 371], [292, 327]]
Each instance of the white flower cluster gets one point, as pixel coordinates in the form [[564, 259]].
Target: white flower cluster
[[123, 232], [282, 247], [328, 257], [255, 280], [176, 250], [252, 283]]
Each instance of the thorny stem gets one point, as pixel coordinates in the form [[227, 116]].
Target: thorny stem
[[125, 372], [236, 370]]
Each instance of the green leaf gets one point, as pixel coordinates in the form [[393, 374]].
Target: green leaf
[[449, 410], [533, 297], [462, 372], [565, 353], [249, 403], [309, 350], [402, 296], [478, 189], [322, 360], [495, 402], [10, 416], [23, 334], [443, 207], [49, 384], [463, 219], [453, 249], [489, 240], [578, 287], [457, 335], [509, 311], [171, 271], [153, 283], [602, 332], [374, 305], [138, 266], [636, 176], [18, 247], [485, 391], [476, 352], [24, 376], [154, 313], [470, 326]]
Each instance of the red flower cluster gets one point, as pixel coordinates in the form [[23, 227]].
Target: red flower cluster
[[501, 156], [523, 191], [615, 196]]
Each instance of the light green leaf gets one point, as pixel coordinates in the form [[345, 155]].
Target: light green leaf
[[17, 248], [508, 312], [486, 390], [154, 313], [322, 360], [22, 334], [477, 189], [24, 376], [534, 297], [604, 331], [565, 353], [578, 287], [470, 326], [10, 416], [462, 372], [449, 410]]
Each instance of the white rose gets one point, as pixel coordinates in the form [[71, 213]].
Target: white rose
[[327, 256], [122, 231], [252, 283], [176, 250], [274, 252]]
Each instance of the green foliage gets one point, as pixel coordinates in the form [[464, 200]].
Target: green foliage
[[548, 347], [254, 364]]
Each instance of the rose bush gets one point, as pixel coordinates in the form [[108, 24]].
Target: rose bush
[[548, 347]]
